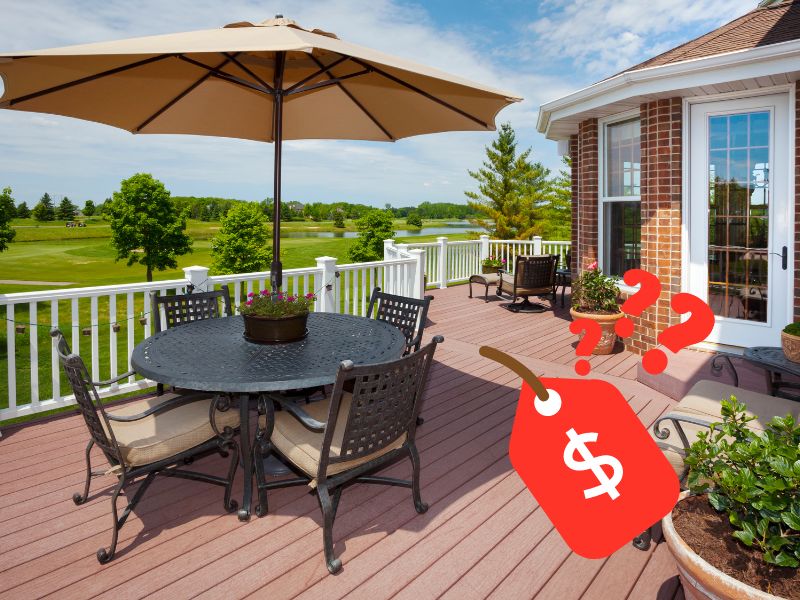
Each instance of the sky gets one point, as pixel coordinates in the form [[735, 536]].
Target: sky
[[538, 50]]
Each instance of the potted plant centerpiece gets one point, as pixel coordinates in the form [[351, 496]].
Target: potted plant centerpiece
[[594, 296], [790, 341], [736, 533], [272, 318], [492, 264]]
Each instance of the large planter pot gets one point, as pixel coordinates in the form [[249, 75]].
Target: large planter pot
[[606, 322], [700, 579], [791, 346], [487, 270], [270, 330]]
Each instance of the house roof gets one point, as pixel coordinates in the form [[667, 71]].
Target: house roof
[[772, 24], [760, 49]]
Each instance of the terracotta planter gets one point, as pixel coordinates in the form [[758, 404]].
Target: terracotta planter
[[486, 270], [269, 330], [700, 580], [609, 336], [791, 346]]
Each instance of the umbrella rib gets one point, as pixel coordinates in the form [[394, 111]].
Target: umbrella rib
[[180, 97], [322, 69], [421, 92], [322, 84], [355, 101], [249, 71], [224, 76], [88, 79]]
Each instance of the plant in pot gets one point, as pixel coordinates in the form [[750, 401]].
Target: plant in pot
[[736, 533], [790, 341], [271, 318], [594, 297], [492, 265]]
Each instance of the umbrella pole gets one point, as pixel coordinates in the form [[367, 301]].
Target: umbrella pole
[[276, 269]]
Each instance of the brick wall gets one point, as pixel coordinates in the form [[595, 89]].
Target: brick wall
[[586, 207], [573, 153], [797, 204]]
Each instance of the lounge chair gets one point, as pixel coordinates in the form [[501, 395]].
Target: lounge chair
[[532, 276]]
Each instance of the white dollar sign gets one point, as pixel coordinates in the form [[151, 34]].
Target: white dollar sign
[[607, 486]]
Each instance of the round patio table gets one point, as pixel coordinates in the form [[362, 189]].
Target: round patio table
[[213, 355]]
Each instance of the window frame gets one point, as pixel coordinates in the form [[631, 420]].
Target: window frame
[[602, 198]]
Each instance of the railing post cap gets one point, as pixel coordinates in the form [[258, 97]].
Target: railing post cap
[[194, 269], [325, 259], [388, 242], [439, 239], [484, 235]]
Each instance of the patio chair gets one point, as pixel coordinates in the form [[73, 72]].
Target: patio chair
[[149, 437], [407, 314], [185, 308], [533, 276], [564, 276], [676, 431], [350, 436]]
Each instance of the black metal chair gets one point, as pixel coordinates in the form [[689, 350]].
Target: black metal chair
[[533, 276], [407, 314], [149, 437], [564, 276], [185, 308], [345, 440]]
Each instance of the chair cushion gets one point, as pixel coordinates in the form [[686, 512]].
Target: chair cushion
[[169, 433], [704, 401], [303, 446], [507, 286]]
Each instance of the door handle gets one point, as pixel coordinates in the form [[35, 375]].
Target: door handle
[[784, 257]]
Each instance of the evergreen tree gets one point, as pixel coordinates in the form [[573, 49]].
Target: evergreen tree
[[243, 242], [145, 227], [7, 212], [23, 212], [89, 208], [511, 190], [556, 210], [44, 210], [66, 210], [374, 227]]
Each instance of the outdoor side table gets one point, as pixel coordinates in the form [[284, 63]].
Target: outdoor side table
[[485, 279], [212, 355], [775, 365]]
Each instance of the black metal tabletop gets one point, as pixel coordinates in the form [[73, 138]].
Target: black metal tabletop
[[212, 354], [772, 357]]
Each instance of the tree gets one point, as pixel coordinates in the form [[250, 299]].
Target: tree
[[338, 218], [414, 220], [44, 210], [89, 208], [243, 242], [7, 212], [511, 189], [23, 212], [66, 210], [374, 227], [145, 227], [556, 210]]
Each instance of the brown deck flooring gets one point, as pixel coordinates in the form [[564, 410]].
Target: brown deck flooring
[[483, 536]]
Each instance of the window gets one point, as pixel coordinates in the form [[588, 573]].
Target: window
[[620, 189]]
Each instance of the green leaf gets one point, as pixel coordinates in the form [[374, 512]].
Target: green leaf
[[784, 560], [718, 501], [791, 520], [746, 537]]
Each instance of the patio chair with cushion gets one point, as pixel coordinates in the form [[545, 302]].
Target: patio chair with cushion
[[185, 308], [407, 314], [149, 437], [676, 431], [532, 276], [348, 437]]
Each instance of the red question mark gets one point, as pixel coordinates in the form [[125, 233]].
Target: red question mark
[[695, 329], [647, 295], [592, 333]]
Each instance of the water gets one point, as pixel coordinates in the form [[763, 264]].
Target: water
[[453, 228]]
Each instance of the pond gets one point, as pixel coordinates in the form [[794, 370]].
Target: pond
[[453, 228]]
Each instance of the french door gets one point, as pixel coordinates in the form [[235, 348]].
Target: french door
[[739, 216]]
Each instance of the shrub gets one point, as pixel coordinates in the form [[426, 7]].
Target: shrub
[[792, 329], [265, 304], [374, 227], [594, 292], [243, 243]]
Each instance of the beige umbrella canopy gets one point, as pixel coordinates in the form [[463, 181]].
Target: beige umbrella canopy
[[268, 81]]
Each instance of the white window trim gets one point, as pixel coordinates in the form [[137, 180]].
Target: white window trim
[[602, 124]]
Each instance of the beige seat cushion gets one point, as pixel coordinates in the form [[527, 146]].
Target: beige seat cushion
[[704, 402], [507, 286], [169, 433], [303, 446]]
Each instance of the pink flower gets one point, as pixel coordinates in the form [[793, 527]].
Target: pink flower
[[593, 266], [291, 298], [249, 302], [250, 295], [310, 296], [504, 260], [265, 292]]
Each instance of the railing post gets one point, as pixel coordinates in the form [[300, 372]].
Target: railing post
[[537, 245], [442, 241], [484, 254], [418, 283], [387, 245], [403, 248], [197, 277], [326, 298]]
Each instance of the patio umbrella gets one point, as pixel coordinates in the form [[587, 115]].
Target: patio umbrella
[[266, 81]]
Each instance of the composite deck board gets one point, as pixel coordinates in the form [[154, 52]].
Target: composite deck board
[[483, 536]]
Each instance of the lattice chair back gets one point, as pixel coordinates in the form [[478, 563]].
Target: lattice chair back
[[407, 314], [87, 399], [381, 409], [185, 308], [535, 271]]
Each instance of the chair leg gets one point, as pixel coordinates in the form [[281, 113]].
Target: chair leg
[[103, 555], [642, 541], [328, 515], [231, 505], [260, 450], [76, 497], [419, 505], [159, 389], [420, 420]]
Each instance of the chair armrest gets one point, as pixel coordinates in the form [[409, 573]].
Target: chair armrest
[[724, 358], [165, 406], [115, 379], [298, 413], [676, 420]]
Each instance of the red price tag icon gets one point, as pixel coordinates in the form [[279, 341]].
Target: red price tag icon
[[591, 464]]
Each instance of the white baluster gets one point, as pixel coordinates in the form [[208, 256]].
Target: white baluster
[[34, 353], [55, 367]]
